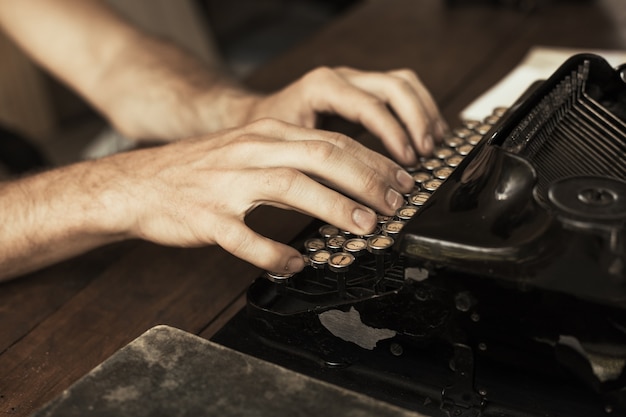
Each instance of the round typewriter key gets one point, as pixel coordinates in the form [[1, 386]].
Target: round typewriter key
[[500, 111], [443, 153], [406, 212], [355, 246], [465, 149], [491, 120], [443, 173], [418, 199], [345, 233], [335, 243], [382, 219], [340, 261], [392, 228], [314, 244], [374, 233], [471, 124], [379, 244], [328, 230], [432, 185], [431, 164], [454, 161], [277, 278], [474, 139], [462, 132], [319, 259], [412, 168], [421, 176], [483, 129], [454, 141]]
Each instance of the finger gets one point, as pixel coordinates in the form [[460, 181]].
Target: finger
[[341, 171], [290, 188], [416, 111], [328, 155], [265, 253], [329, 92], [441, 127]]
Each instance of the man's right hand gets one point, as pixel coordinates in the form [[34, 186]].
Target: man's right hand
[[198, 192]]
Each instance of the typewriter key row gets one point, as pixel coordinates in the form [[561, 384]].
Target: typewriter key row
[[338, 251]]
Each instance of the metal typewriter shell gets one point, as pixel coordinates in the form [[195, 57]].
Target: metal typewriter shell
[[503, 215]]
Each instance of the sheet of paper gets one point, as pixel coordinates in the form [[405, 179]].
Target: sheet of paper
[[538, 64]]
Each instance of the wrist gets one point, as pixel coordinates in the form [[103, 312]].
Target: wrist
[[225, 106], [58, 214], [98, 194]]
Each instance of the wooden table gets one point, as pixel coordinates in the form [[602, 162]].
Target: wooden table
[[59, 323]]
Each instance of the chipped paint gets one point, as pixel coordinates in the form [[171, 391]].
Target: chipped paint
[[348, 326]]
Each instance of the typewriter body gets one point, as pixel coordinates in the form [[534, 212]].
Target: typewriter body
[[499, 289]]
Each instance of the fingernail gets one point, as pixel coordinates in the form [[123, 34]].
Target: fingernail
[[365, 219], [409, 154], [393, 199], [405, 179], [294, 264]]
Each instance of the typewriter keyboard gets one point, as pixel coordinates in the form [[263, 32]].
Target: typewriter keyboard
[[343, 266]]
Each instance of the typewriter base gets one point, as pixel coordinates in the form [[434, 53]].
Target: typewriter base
[[418, 379]]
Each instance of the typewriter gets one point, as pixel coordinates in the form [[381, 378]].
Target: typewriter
[[499, 289]]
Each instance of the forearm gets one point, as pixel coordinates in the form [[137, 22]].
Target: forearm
[[56, 215], [148, 88], [153, 89]]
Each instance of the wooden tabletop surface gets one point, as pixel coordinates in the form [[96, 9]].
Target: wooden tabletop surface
[[59, 323]]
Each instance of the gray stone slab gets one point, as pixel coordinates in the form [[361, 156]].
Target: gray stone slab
[[169, 372]]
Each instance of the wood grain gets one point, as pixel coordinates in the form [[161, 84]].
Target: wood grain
[[61, 322]]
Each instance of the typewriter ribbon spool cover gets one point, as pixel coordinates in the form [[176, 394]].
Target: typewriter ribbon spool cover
[[504, 293]]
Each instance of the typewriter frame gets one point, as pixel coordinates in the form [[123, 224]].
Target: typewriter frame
[[475, 343]]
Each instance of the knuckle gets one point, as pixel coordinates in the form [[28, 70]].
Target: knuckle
[[231, 239], [320, 150], [265, 124], [343, 69], [371, 183], [405, 73], [374, 102], [282, 180], [320, 74], [243, 139], [401, 85], [341, 206], [246, 147], [404, 86], [340, 140]]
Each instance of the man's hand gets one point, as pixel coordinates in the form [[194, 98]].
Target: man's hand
[[150, 89], [394, 106], [197, 192]]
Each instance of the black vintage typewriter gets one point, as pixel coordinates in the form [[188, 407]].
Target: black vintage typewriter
[[498, 290]]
